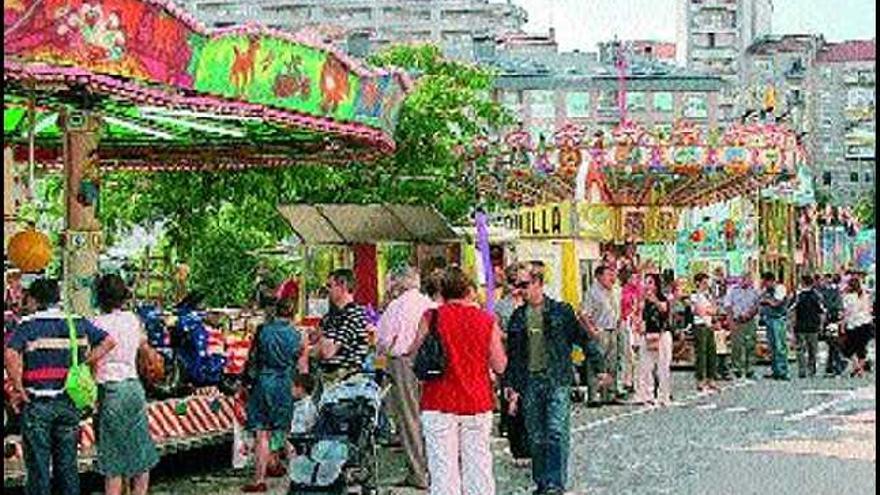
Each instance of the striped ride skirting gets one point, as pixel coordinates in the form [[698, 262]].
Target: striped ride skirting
[[125, 447]]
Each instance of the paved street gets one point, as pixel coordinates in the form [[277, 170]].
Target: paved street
[[803, 436]]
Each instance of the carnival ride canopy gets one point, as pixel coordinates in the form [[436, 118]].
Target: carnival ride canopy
[[633, 166], [173, 94]]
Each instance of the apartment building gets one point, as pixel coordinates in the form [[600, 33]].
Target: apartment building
[[845, 120], [451, 24], [548, 91], [713, 36]]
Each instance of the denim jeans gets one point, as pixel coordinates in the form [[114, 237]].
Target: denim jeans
[[50, 432], [547, 406], [776, 338]]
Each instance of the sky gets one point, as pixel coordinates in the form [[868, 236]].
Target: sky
[[583, 23]]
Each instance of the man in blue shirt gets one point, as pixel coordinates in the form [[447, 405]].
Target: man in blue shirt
[[37, 360]]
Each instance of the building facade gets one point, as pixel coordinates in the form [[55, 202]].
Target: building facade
[[664, 51], [713, 36], [581, 89], [451, 24], [845, 120]]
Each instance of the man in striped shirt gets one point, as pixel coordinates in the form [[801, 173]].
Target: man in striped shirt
[[37, 360]]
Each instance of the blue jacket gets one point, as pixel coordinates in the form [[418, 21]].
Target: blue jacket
[[562, 331]]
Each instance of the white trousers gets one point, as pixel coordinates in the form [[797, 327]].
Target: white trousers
[[662, 359], [459, 454]]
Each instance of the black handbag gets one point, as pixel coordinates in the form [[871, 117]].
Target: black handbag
[[430, 360]]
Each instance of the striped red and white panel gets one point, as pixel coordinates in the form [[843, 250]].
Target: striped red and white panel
[[216, 342], [201, 417]]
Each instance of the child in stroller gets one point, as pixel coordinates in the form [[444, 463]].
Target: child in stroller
[[341, 451]]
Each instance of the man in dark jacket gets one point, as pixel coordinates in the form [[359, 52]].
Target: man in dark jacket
[[540, 337], [809, 313]]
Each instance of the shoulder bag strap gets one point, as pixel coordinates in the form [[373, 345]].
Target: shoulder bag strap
[[74, 346], [432, 325]]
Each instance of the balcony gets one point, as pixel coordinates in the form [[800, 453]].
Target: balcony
[[714, 53]]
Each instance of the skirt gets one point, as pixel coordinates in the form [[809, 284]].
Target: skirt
[[125, 447], [270, 403]]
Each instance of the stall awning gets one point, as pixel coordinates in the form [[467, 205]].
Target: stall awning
[[352, 224]]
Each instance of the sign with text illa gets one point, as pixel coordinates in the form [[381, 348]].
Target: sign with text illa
[[550, 220]]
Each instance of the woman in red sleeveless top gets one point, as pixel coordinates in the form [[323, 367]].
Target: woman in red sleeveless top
[[457, 407]]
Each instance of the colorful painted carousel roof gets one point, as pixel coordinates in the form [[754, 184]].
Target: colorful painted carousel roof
[[167, 87], [634, 166]]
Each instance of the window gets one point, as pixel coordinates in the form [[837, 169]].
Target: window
[[607, 104], [577, 104], [711, 40], [695, 107], [635, 101], [663, 102], [859, 98], [826, 178], [869, 177], [541, 104], [854, 177]]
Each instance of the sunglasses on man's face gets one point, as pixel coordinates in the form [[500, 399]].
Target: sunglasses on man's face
[[523, 284]]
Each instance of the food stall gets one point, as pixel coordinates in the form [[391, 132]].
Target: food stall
[[359, 234]]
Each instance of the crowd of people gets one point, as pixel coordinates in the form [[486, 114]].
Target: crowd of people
[[625, 331], [517, 360]]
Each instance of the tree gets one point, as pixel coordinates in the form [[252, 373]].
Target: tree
[[864, 209], [448, 109], [215, 219]]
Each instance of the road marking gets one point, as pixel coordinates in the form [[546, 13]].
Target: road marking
[[706, 407], [611, 419], [645, 409], [815, 410], [775, 412], [736, 409]]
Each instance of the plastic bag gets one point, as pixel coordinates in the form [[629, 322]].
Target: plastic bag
[[242, 446]]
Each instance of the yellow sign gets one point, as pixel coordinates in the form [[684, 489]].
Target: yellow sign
[[550, 220], [613, 223], [598, 222]]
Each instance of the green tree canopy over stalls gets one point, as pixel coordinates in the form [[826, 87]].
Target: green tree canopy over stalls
[[447, 110], [214, 219]]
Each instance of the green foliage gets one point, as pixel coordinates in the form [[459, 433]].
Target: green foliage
[[447, 109], [223, 259], [214, 219], [864, 209], [397, 256], [46, 212]]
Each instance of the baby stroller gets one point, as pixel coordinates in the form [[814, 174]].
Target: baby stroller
[[342, 451]]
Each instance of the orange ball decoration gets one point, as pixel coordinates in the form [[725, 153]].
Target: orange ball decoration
[[30, 251]]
